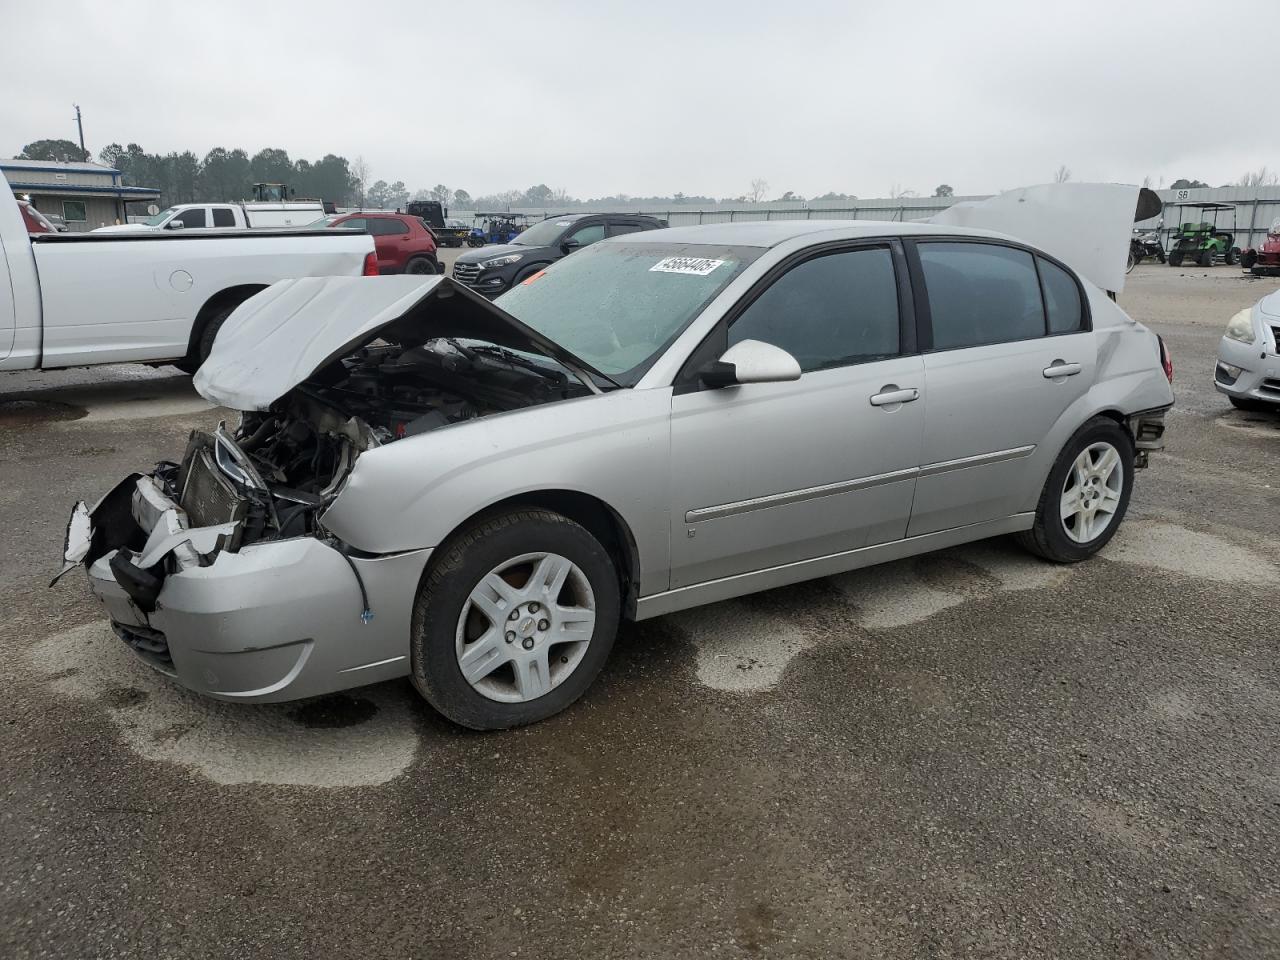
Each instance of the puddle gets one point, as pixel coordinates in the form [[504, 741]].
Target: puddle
[[21, 413], [1188, 552], [335, 741], [744, 650]]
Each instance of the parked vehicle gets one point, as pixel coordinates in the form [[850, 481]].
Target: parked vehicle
[[59, 224], [495, 269], [75, 299], [1203, 241], [474, 494], [1248, 369], [454, 233], [496, 228], [34, 220], [432, 211], [404, 244], [225, 216], [1143, 245], [1264, 262]]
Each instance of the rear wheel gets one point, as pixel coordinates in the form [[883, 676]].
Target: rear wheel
[[1086, 496], [419, 265], [1205, 259], [204, 343], [1231, 256], [1132, 262], [514, 620]]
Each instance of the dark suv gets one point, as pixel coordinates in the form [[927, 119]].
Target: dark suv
[[498, 267]]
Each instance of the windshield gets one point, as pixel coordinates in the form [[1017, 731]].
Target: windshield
[[543, 234], [618, 305], [160, 217]]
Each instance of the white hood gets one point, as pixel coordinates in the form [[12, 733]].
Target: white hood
[[1085, 225], [281, 336], [125, 228]]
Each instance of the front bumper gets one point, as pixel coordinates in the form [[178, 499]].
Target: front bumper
[[1259, 363], [276, 620], [488, 283]]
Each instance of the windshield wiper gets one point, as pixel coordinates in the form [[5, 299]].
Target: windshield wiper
[[516, 360]]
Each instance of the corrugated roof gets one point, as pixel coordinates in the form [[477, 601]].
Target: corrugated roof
[[78, 166]]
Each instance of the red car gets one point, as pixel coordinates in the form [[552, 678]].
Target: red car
[[404, 244], [1264, 262], [34, 219]]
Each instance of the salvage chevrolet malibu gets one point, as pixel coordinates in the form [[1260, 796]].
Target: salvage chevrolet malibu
[[475, 494]]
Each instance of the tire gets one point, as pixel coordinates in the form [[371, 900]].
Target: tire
[[1205, 258], [1231, 257], [1052, 536], [1160, 256], [448, 620], [204, 343], [1175, 258], [1131, 263], [420, 265], [528, 272], [1249, 258]]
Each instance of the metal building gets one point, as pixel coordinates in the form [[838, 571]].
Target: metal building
[[84, 194]]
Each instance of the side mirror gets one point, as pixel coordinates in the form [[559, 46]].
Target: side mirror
[[175, 225], [750, 361], [569, 246]]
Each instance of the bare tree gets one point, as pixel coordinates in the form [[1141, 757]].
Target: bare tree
[[897, 192], [443, 194], [360, 176], [759, 187], [1259, 178], [1063, 174]]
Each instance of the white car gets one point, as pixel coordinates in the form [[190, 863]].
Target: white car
[[1248, 369]]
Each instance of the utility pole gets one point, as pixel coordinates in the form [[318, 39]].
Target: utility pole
[[80, 127]]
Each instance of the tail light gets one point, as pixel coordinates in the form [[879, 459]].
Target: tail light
[[1166, 358], [370, 264]]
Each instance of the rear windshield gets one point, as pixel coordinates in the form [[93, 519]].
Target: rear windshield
[[618, 305]]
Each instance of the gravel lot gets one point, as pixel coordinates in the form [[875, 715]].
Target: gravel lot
[[967, 754]]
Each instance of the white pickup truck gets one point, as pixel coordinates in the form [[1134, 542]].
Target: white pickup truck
[[75, 299], [226, 216]]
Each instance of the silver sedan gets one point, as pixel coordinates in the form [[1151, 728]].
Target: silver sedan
[[1248, 368], [473, 494]]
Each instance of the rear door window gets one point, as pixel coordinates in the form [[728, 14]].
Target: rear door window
[[386, 227], [587, 235], [981, 293], [1061, 298], [618, 227], [222, 217]]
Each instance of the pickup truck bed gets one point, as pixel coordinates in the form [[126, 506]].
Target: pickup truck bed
[[79, 299]]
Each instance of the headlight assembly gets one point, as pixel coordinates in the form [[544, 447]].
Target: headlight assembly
[[1240, 327], [502, 261]]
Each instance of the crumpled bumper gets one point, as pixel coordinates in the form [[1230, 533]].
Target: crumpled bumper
[[276, 620]]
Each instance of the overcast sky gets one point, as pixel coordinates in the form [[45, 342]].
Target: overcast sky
[[656, 97]]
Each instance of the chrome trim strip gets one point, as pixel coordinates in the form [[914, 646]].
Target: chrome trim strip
[[998, 456], [796, 496]]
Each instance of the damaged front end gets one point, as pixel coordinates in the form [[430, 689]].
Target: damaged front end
[[218, 569]]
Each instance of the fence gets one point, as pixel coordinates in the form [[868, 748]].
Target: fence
[[1255, 210]]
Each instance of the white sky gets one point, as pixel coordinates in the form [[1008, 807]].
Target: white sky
[[655, 97]]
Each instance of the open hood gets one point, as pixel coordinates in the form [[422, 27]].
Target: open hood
[[1085, 225], [285, 334]]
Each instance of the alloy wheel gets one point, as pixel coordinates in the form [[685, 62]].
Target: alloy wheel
[[525, 627], [1091, 492]]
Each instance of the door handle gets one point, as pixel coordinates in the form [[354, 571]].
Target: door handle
[[891, 394], [1060, 368]]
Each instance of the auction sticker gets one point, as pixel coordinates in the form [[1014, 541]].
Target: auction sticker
[[698, 266]]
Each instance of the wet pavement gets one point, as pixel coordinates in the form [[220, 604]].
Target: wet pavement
[[971, 753]]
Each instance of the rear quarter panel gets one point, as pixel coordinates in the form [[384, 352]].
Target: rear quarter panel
[[1127, 378]]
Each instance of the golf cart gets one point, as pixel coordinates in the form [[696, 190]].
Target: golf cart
[[1201, 240], [496, 228], [1264, 262]]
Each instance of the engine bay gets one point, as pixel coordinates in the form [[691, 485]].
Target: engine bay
[[282, 466]]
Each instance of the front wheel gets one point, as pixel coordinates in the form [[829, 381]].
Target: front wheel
[[1132, 262], [514, 620], [1232, 257], [1206, 258], [1175, 258], [1086, 496]]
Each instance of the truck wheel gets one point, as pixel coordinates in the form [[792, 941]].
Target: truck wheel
[[200, 350], [1086, 496], [419, 265], [514, 620], [1175, 258], [1206, 258]]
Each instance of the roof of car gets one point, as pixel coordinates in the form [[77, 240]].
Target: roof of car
[[770, 233]]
